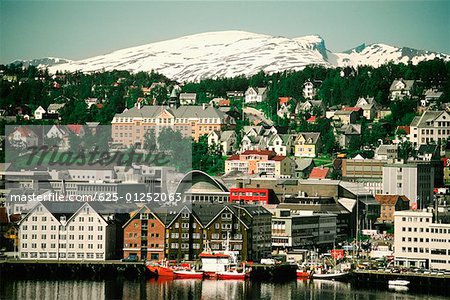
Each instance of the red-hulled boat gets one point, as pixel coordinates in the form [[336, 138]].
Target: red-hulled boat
[[232, 274], [303, 274], [161, 269], [188, 274]]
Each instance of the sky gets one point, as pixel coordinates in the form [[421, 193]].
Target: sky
[[82, 29]]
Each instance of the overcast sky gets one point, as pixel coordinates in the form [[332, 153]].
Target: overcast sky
[[76, 30]]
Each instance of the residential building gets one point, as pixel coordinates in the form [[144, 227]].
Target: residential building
[[255, 94], [54, 108], [309, 90], [23, 136], [235, 94], [430, 97], [414, 179], [307, 144], [346, 134], [303, 167], [389, 205], [320, 173], [129, 127], [70, 231], [144, 235], [39, 112], [188, 98], [91, 101], [226, 140], [345, 117], [369, 107], [420, 242], [430, 127], [309, 106], [401, 88], [260, 161], [281, 144], [385, 152]]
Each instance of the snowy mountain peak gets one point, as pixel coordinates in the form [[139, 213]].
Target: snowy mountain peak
[[232, 53]]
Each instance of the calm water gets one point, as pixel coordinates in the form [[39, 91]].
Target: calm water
[[195, 289]]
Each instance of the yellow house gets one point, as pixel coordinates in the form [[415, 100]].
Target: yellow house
[[307, 144]]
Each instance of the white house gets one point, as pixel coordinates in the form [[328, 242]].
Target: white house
[[57, 230], [188, 98], [401, 88], [23, 137], [90, 102], [227, 140], [430, 127], [55, 107], [309, 91], [253, 95], [39, 112]]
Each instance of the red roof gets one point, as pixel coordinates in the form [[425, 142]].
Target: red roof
[[214, 255], [319, 173], [279, 158], [99, 105], [75, 128], [312, 119], [351, 108], [233, 157], [284, 100], [259, 152], [224, 102], [407, 129]]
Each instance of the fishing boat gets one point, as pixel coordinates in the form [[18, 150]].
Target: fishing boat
[[188, 274], [215, 262], [161, 269], [398, 282], [234, 273], [334, 274]]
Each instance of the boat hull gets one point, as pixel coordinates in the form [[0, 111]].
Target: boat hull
[[161, 271], [188, 275], [398, 282], [330, 276], [225, 276], [302, 274]]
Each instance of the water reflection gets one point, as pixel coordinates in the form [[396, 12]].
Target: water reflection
[[196, 289]]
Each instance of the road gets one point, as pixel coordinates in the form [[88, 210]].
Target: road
[[256, 114]]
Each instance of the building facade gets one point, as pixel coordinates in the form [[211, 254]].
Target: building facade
[[130, 127], [419, 242]]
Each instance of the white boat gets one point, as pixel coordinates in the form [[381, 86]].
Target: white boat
[[331, 275], [398, 282]]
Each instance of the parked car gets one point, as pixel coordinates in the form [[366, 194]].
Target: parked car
[[131, 258]]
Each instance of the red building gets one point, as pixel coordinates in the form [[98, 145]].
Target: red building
[[253, 196]]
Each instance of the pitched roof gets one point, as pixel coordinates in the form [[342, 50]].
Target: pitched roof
[[319, 173], [56, 106], [408, 84], [407, 129], [180, 112], [75, 128], [313, 136], [351, 108]]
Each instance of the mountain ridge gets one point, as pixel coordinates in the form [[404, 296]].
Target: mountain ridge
[[232, 53]]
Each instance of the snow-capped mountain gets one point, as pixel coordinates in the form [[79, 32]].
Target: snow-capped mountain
[[379, 54], [42, 62], [233, 53]]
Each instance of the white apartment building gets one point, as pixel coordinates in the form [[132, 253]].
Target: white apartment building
[[414, 179], [418, 242], [430, 127], [66, 231]]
